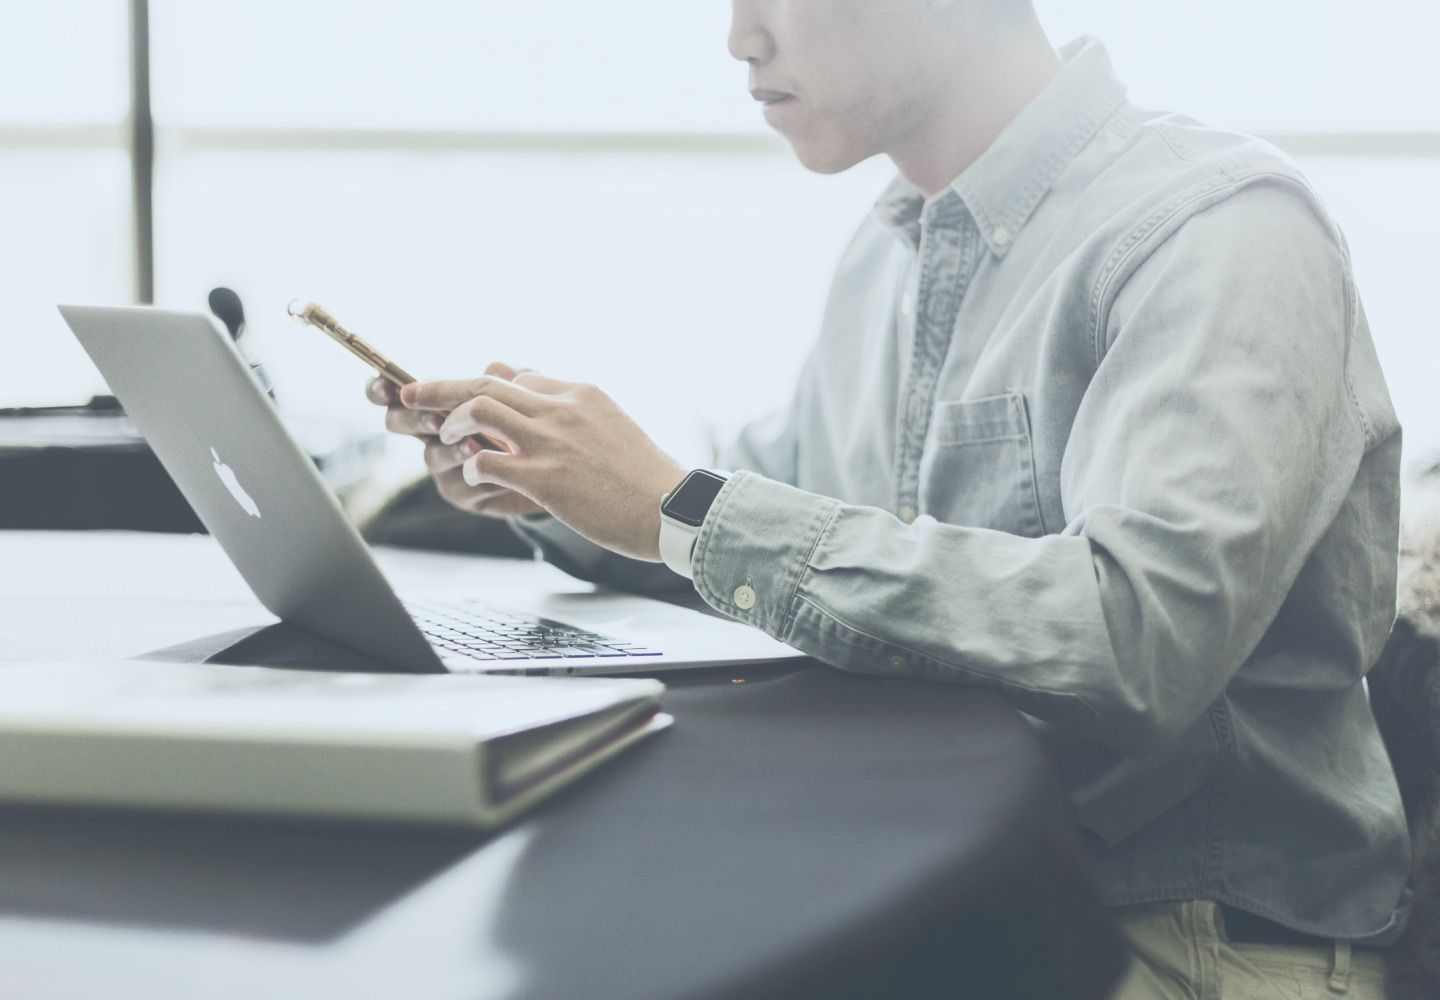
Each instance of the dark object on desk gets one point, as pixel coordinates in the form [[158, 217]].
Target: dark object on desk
[[78, 488], [86, 467], [417, 518], [96, 405]]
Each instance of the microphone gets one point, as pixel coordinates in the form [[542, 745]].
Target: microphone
[[226, 306]]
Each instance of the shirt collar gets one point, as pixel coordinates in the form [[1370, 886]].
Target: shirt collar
[[1002, 188]]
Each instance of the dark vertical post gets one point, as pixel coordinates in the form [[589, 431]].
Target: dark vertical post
[[142, 151]]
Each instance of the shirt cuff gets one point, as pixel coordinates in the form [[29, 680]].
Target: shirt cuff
[[754, 549]]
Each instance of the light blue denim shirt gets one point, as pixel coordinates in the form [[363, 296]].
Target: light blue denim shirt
[[1101, 427]]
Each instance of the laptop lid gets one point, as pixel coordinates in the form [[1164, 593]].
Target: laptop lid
[[220, 438]]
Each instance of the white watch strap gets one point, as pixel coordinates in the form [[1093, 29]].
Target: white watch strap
[[677, 544]]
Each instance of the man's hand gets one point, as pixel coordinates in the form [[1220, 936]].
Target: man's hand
[[444, 460], [569, 448]]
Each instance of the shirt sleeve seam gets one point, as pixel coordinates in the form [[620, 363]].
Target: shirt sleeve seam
[[1352, 322], [795, 570], [793, 602], [1118, 267], [1132, 251]]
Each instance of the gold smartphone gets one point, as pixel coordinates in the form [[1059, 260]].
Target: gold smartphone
[[314, 315]]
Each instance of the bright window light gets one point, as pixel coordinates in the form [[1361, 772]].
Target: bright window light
[[494, 65], [497, 195], [63, 62], [1316, 65]]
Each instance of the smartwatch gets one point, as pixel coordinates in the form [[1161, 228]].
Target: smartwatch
[[682, 512]]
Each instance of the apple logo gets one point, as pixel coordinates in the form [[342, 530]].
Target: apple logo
[[227, 476]]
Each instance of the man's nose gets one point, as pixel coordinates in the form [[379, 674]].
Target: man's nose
[[749, 41]]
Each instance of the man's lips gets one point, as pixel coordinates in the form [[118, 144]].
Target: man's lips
[[769, 97]]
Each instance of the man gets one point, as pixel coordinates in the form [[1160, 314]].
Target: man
[[1095, 421]]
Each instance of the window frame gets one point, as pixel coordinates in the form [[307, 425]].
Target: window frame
[[137, 136]]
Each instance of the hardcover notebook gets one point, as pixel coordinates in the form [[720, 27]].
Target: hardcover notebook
[[441, 749]]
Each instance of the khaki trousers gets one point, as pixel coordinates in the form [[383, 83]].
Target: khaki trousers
[[1181, 950]]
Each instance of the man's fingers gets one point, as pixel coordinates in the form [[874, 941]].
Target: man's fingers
[[541, 383], [382, 392], [444, 457], [518, 398], [399, 420], [501, 370], [487, 416], [485, 413], [443, 394], [491, 500], [493, 468], [447, 396]]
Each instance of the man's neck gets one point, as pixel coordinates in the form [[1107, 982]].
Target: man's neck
[[974, 108]]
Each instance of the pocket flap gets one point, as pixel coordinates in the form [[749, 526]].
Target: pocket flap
[[975, 421]]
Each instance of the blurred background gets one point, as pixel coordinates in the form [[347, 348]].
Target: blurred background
[[586, 188]]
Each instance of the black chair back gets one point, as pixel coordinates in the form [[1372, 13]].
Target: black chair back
[[1405, 697]]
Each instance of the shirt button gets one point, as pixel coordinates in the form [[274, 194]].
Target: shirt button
[[907, 305], [907, 514], [744, 597], [896, 662], [1001, 236]]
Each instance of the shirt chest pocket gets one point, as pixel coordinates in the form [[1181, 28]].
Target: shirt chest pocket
[[978, 467]]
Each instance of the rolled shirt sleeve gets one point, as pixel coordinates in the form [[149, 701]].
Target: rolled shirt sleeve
[[1216, 443]]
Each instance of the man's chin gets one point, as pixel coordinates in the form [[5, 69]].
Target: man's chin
[[825, 160]]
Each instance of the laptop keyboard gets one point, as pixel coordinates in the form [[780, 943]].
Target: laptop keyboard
[[480, 632]]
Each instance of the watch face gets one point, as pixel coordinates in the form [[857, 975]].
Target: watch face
[[692, 499]]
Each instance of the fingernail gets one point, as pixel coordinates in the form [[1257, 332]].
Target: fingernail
[[472, 478], [470, 446], [407, 394]]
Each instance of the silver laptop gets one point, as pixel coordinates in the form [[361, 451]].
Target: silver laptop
[[219, 436]]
